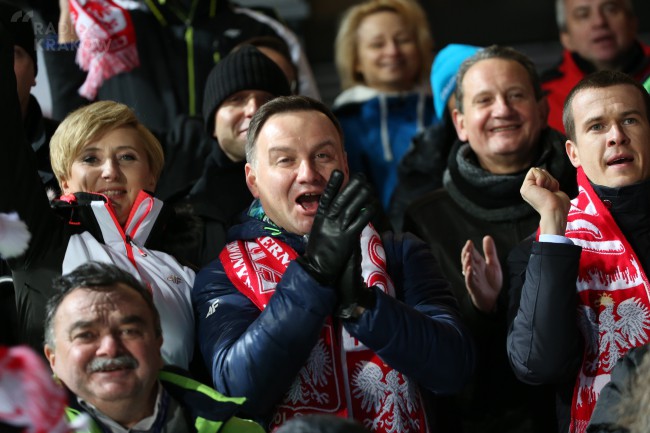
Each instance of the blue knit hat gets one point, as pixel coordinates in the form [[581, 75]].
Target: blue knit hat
[[443, 74]]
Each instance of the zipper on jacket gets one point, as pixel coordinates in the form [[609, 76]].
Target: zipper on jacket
[[191, 71], [189, 41], [131, 242], [188, 18]]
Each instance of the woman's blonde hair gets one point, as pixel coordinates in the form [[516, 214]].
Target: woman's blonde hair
[[346, 45], [90, 123]]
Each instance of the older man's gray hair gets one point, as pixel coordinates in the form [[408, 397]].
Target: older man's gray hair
[[497, 52], [560, 12]]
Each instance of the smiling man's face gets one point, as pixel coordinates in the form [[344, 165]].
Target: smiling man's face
[[612, 135], [295, 154], [232, 118], [106, 349], [600, 31], [501, 118]]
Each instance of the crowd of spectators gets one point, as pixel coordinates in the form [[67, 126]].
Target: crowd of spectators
[[195, 242]]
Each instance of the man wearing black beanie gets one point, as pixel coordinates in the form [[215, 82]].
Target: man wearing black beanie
[[236, 87], [244, 79]]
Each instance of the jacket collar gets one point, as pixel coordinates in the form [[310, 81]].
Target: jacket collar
[[94, 213], [256, 224], [634, 60]]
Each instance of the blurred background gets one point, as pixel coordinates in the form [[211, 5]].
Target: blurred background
[[526, 25]]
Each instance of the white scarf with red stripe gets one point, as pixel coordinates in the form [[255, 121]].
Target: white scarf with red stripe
[[613, 297], [363, 387]]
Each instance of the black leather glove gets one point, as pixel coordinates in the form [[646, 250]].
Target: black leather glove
[[354, 295], [337, 227]]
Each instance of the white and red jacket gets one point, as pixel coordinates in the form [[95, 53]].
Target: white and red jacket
[[92, 233], [82, 229], [169, 281], [87, 230]]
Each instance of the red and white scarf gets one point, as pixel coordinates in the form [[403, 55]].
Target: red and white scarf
[[613, 297], [341, 377], [29, 397], [107, 42]]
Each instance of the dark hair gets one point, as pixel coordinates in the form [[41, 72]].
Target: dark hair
[[599, 80], [98, 277], [284, 104], [497, 52]]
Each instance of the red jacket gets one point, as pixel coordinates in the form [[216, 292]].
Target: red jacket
[[558, 82]]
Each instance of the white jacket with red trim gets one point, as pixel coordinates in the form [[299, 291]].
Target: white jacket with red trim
[[86, 229], [168, 280]]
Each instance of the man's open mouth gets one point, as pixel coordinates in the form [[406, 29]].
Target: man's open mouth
[[619, 160], [309, 202], [603, 38]]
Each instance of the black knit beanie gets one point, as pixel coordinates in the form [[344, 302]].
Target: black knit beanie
[[19, 24], [244, 69]]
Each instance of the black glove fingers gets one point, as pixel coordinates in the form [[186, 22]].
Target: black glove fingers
[[331, 191], [364, 216], [342, 200], [354, 204], [345, 201]]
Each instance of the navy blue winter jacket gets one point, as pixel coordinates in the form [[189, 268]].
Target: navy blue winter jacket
[[257, 354]]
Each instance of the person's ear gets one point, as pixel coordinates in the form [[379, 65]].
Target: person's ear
[[251, 180], [566, 40], [65, 186], [543, 109], [160, 343], [50, 355], [459, 124], [151, 184], [573, 153]]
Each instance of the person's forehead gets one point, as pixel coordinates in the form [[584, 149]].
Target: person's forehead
[[120, 137], [241, 96], [517, 74], [285, 130], [118, 298], [591, 102], [370, 24], [315, 119], [570, 5]]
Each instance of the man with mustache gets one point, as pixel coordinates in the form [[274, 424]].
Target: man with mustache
[[103, 339], [597, 35], [584, 301], [308, 309]]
